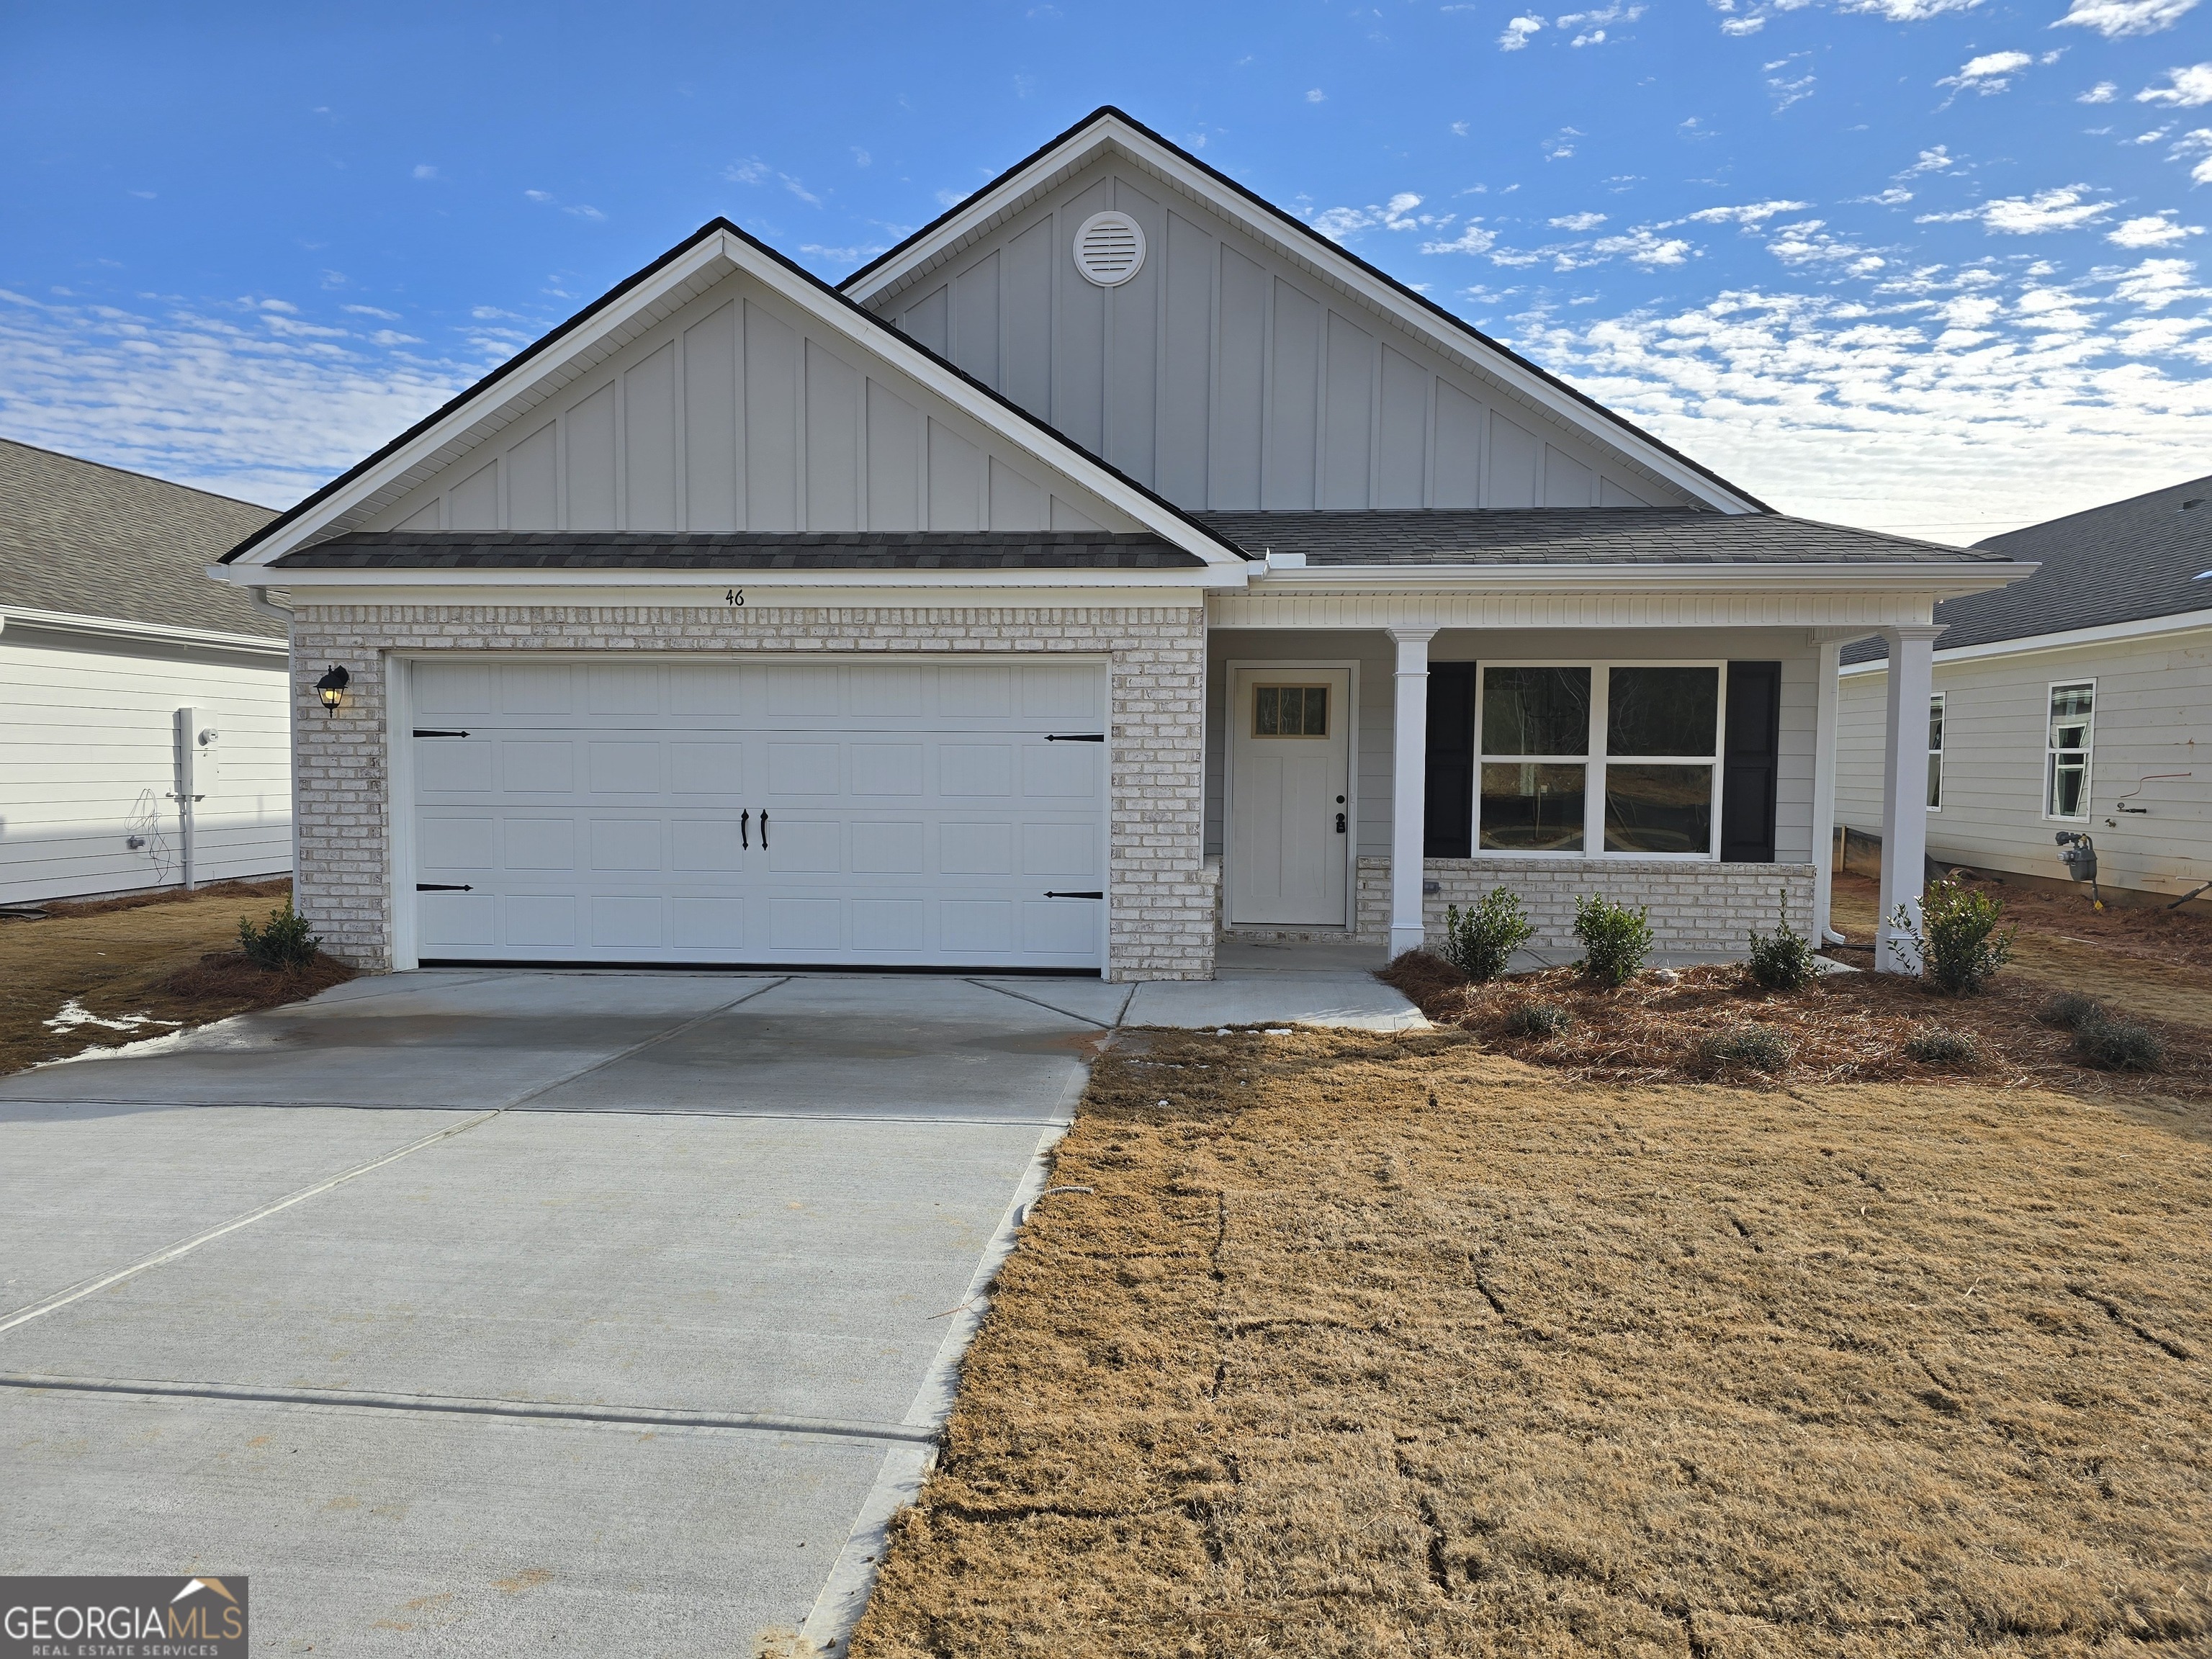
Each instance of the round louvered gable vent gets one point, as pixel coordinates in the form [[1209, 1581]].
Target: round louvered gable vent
[[1110, 249]]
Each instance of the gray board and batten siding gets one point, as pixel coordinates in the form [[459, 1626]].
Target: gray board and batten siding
[[739, 413], [1224, 376]]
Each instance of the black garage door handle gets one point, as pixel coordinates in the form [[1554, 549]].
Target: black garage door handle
[[443, 887], [764, 829], [1096, 896], [745, 829]]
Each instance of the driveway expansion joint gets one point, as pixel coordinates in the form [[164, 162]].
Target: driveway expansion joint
[[657, 1416]]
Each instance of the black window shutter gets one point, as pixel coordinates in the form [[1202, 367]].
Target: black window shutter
[[1751, 761], [1448, 826]]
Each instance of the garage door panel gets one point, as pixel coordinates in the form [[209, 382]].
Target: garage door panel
[[536, 766], [706, 769], [451, 842], [622, 812], [539, 845], [626, 843], [450, 765]]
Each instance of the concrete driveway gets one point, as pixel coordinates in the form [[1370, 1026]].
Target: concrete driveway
[[467, 1312]]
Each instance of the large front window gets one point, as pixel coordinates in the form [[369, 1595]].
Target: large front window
[[2066, 750], [1617, 756]]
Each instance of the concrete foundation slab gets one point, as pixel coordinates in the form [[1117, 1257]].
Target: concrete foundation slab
[[1354, 1001]]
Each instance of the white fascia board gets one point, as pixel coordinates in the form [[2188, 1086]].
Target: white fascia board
[[883, 341], [1110, 135], [2143, 628], [1939, 581], [922, 582], [68, 623]]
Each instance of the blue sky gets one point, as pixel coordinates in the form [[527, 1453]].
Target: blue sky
[[1932, 266]]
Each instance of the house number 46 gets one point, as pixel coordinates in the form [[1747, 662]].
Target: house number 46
[[735, 598]]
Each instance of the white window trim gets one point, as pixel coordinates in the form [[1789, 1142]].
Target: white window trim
[[1596, 759], [2088, 752], [1935, 750]]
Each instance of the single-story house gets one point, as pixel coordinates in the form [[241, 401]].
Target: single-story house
[[2078, 701], [1113, 564], [145, 712]]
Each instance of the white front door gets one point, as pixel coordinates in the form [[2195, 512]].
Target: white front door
[[717, 811], [1290, 807]]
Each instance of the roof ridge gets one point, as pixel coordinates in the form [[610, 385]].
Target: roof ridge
[[2105, 507]]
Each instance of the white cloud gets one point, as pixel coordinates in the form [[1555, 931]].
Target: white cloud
[[1557, 149], [1938, 160], [371, 311], [1895, 196], [1643, 247], [1459, 128], [1787, 89], [1742, 25], [426, 171], [1516, 33], [2103, 92], [746, 172], [1808, 243], [585, 210], [2196, 142], [844, 255], [2191, 87], [2153, 230], [1991, 72], [2115, 18], [1751, 216], [1316, 95], [537, 194], [1397, 214], [267, 408], [1578, 222], [1471, 240], [1919, 411], [2028, 216]]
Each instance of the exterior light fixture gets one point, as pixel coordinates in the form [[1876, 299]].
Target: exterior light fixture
[[332, 688]]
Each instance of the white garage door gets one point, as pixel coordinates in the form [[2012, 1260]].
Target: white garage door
[[900, 814]]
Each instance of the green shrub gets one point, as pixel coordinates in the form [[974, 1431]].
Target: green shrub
[[283, 942], [1482, 940], [1782, 960], [1616, 940], [2116, 1045], [1538, 1019], [1754, 1047], [2069, 1011], [1957, 946], [1940, 1045]]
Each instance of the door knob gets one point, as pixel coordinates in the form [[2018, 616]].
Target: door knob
[[1340, 823]]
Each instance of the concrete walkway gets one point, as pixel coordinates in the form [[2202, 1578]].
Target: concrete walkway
[[468, 1311]]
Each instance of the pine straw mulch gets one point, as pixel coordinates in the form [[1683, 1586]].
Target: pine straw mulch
[[1843, 1028], [1357, 1346]]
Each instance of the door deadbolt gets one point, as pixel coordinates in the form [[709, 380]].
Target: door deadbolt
[[1340, 823]]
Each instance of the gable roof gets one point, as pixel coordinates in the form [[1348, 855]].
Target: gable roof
[[1109, 129], [2124, 561], [717, 249], [83, 540], [1447, 537]]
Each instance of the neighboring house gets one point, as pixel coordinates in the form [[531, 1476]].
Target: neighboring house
[[2078, 701], [108, 629], [1114, 560]]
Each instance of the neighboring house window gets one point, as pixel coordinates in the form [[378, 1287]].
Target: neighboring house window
[[1621, 755], [1936, 753], [2066, 750]]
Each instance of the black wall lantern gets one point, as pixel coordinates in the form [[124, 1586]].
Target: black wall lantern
[[332, 688]]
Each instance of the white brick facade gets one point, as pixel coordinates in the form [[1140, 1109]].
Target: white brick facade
[[1161, 898], [1697, 909]]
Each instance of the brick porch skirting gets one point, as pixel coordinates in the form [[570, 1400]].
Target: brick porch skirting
[[1161, 923], [1697, 909]]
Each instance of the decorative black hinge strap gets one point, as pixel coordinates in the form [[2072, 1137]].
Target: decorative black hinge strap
[[1075, 737], [443, 887], [1096, 896], [421, 732]]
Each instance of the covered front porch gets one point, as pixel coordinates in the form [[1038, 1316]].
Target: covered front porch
[[1366, 772]]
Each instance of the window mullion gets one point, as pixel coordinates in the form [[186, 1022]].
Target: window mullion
[[1594, 780]]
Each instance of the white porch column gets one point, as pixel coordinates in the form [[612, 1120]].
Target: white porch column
[[1409, 787], [1904, 785], [1832, 644]]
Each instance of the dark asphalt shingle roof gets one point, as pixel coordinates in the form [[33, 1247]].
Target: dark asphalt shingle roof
[[1058, 549], [2120, 562], [1571, 536], [96, 541]]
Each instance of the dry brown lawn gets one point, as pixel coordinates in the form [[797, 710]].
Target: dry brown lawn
[[2145, 959], [1373, 1346], [169, 957]]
